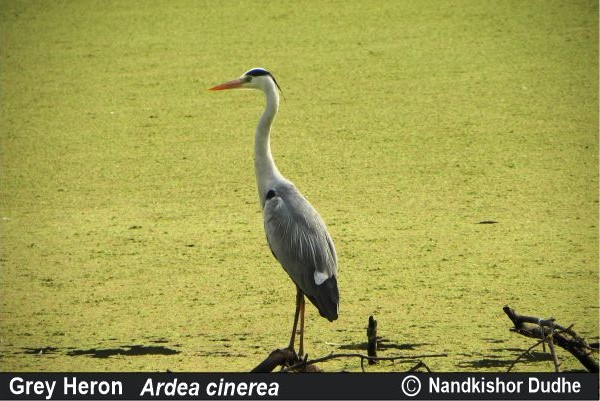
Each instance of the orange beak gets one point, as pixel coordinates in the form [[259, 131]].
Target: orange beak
[[236, 83]]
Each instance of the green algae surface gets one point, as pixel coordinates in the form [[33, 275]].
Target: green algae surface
[[131, 236]]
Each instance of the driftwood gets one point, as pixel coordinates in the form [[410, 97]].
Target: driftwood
[[372, 339], [547, 331], [307, 363], [279, 357], [290, 362]]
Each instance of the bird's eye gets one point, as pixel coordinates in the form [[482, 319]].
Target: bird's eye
[[271, 194], [247, 78]]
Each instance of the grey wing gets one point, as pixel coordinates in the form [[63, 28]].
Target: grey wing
[[299, 240]]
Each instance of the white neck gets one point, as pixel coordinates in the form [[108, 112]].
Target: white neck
[[264, 167]]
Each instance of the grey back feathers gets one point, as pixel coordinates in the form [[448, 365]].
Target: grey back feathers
[[299, 240]]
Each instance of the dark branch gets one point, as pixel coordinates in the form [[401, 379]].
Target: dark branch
[[372, 339], [362, 357], [564, 337], [419, 365], [279, 357], [522, 355]]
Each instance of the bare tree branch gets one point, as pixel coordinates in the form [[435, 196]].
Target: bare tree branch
[[522, 355], [553, 352], [419, 365], [278, 357], [362, 357], [371, 340], [564, 337]]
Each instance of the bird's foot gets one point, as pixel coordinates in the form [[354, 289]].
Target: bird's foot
[[291, 355], [298, 363], [299, 355]]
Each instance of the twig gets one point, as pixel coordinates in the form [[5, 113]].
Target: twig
[[421, 364], [362, 359], [542, 335], [523, 354], [553, 352]]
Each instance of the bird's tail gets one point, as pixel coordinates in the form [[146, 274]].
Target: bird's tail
[[327, 299]]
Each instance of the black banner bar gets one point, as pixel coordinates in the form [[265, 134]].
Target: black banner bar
[[337, 386]]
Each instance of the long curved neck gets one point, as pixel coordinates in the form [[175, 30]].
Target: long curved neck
[[264, 167]]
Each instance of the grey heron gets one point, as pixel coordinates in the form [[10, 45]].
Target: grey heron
[[295, 231]]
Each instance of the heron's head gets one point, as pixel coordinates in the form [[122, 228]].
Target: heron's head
[[256, 78]]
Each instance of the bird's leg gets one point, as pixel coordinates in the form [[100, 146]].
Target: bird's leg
[[299, 299], [301, 347]]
